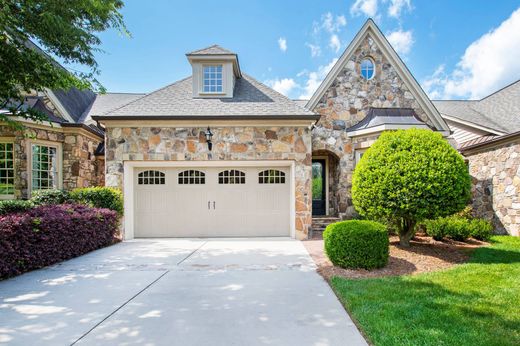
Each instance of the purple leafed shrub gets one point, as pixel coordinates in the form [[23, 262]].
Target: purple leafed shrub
[[53, 233]]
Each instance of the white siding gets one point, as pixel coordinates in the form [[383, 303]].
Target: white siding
[[463, 133]]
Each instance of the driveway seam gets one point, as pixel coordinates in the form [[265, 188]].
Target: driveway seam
[[192, 253], [120, 307]]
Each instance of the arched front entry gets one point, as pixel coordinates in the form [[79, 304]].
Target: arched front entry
[[325, 173]]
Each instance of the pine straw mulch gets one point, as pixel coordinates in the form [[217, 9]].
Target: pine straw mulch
[[424, 255]]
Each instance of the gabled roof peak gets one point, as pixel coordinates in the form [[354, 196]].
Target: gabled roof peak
[[212, 50]]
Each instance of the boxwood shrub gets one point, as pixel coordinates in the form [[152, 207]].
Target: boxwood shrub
[[52, 233], [14, 206], [480, 229], [100, 197], [454, 227], [357, 244], [45, 197]]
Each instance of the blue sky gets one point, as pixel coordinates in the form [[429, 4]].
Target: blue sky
[[455, 49]]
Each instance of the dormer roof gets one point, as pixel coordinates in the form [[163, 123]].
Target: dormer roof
[[216, 53], [212, 50]]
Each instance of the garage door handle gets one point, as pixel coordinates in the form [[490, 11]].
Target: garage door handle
[[209, 205], [213, 204]]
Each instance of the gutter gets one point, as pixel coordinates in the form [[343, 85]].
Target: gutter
[[208, 117]]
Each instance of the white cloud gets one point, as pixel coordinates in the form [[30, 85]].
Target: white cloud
[[315, 49], [334, 43], [282, 43], [402, 41], [329, 23], [398, 6], [366, 7], [283, 86], [315, 78], [488, 64]]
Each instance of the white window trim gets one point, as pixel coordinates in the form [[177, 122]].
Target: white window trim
[[59, 155], [202, 92], [361, 69], [10, 140], [358, 153]]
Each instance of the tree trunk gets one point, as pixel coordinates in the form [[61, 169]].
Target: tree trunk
[[406, 232]]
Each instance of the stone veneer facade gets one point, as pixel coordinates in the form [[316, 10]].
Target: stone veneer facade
[[79, 165], [229, 143], [344, 104], [495, 172]]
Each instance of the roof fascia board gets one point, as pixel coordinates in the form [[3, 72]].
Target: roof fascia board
[[205, 123], [207, 117], [58, 105], [396, 61], [470, 124]]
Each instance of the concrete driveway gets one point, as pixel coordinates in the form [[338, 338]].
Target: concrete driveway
[[177, 292]]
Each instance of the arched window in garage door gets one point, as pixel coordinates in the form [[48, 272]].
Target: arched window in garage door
[[271, 176], [192, 177], [231, 176], [151, 178]]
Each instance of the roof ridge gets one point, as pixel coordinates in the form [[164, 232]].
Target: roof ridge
[[146, 95], [499, 90]]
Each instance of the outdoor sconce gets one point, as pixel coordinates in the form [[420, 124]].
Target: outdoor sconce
[[209, 135]]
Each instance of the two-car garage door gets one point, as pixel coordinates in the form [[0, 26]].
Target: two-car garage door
[[211, 202]]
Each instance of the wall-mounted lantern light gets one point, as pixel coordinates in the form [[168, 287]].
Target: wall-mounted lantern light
[[209, 135]]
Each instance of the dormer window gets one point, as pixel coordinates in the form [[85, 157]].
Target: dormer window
[[212, 79]]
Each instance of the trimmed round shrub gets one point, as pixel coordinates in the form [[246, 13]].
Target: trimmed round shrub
[[454, 227], [357, 244], [481, 229], [100, 197], [50, 197], [14, 206], [408, 176]]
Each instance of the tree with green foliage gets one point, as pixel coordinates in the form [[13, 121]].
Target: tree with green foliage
[[408, 176], [64, 29]]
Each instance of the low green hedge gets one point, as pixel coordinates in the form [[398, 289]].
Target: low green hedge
[[100, 197], [50, 197], [14, 206], [96, 197], [357, 244], [459, 228]]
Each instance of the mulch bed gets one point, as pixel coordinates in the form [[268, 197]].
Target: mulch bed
[[424, 255]]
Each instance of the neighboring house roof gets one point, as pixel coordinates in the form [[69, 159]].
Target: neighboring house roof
[[388, 118], [489, 141], [498, 113], [386, 48], [212, 50], [104, 103], [75, 101], [251, 99]]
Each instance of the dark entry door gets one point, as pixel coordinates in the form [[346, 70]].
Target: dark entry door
[[318, 187]]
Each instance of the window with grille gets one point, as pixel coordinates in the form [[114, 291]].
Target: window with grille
[[192, 177], [271, 176], [6, 169], [212, 81], [151, 178], [231, 176], [44, 169]]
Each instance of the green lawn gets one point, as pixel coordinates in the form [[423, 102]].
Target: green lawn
[[477, 303]]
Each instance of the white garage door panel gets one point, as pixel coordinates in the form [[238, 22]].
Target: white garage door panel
[[212, 209]]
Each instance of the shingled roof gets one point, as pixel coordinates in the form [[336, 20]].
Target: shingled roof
[[212, 50], [251, 99], [499, 111]]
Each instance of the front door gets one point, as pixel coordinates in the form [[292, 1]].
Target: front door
[[318, 187]]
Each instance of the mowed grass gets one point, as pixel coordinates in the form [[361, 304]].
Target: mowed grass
[[477, 303]]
